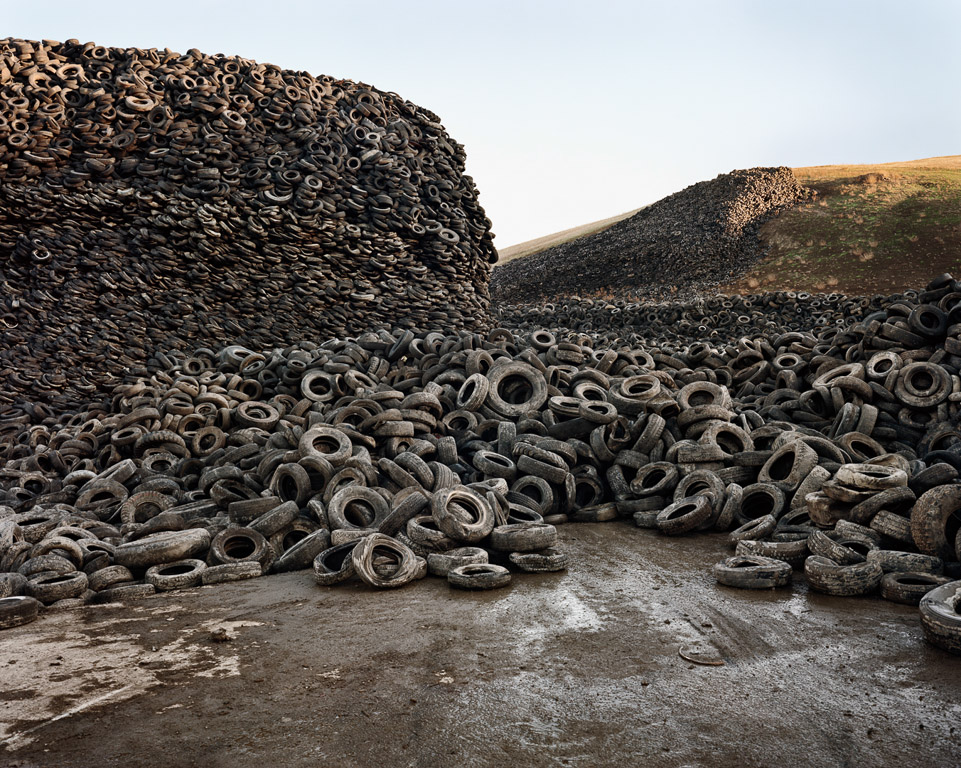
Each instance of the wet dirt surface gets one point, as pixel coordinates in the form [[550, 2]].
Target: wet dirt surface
[[582, 668]]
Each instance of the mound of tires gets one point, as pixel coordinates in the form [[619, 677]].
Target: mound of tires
[[395, 455], [695, 239], [154, 201]]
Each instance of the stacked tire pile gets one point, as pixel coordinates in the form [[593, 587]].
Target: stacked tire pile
[[702, 236], [397, 454], [154, 201]]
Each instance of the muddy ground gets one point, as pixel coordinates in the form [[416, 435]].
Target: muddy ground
[[576, 669]]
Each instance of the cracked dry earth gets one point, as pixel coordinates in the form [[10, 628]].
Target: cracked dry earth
[[633, 655]]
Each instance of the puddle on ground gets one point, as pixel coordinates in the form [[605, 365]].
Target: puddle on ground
[[92, 665]]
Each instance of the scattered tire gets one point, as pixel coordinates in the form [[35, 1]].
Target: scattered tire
[[752, 572]]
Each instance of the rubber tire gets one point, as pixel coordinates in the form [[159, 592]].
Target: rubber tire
[[895, 561], [826, 576], [17, 610], [929, 521], [909, 587], [523, 537], [440, 563], [50, 587], [446, 505], [753, 572], [941, 616], [365, 552], [230, 572], [164, 582], [548, 560], [684, 515], [166, 547], [335, 564], [479, 576], [302, 554]]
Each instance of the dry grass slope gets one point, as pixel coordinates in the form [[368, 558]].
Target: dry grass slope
[[868, 229]]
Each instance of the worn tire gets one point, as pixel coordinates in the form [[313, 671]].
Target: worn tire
[[50, 587], [166, 547], [753, 572], [384, 574], [230, 572], [909, 587], [941, 616], [684, 515], [17, 610], [178, 575], [335, 564], [826, 576], [935, 521], [479, 576], [895, 561], [462, 514], [523, 537], [440, 563], [548, 560]]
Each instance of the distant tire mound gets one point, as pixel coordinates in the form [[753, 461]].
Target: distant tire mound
[[153, 201], [697, 238]]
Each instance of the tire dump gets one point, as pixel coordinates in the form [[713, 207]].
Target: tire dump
[[246, 329]]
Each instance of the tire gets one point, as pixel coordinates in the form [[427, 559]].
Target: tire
[[236, 545], [894, 561], [59, 545], [548, 560], [733, 494], [178, 575], [941, 616], [18, 610], [302, 554], [479, 576], [50, 587], [230, 572], [893, 526], [109, 577], [462, 514], [328, 442], [909, 587], [503, 376], [841, 551], [440, 563], [12, 584], [684, 515], [789, 465], [275, 519], [753, 572], [523, 537], [43, 563], [826, 576], [935, 521], [384, 575], [166, 547], [356, 507], [334, 565], [755, 530], [123, 592], [791, 552], [758, 500], [871, 477]]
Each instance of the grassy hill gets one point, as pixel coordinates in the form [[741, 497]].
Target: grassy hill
[[866, 229]]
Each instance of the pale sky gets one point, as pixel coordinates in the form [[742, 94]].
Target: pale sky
[[577, 111]]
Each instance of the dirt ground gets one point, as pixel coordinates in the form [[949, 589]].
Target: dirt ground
[[582, 668]]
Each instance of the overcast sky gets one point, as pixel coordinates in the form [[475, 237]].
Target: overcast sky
[[576, 111]]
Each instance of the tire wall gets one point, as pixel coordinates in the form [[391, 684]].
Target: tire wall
[[152, 201]]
